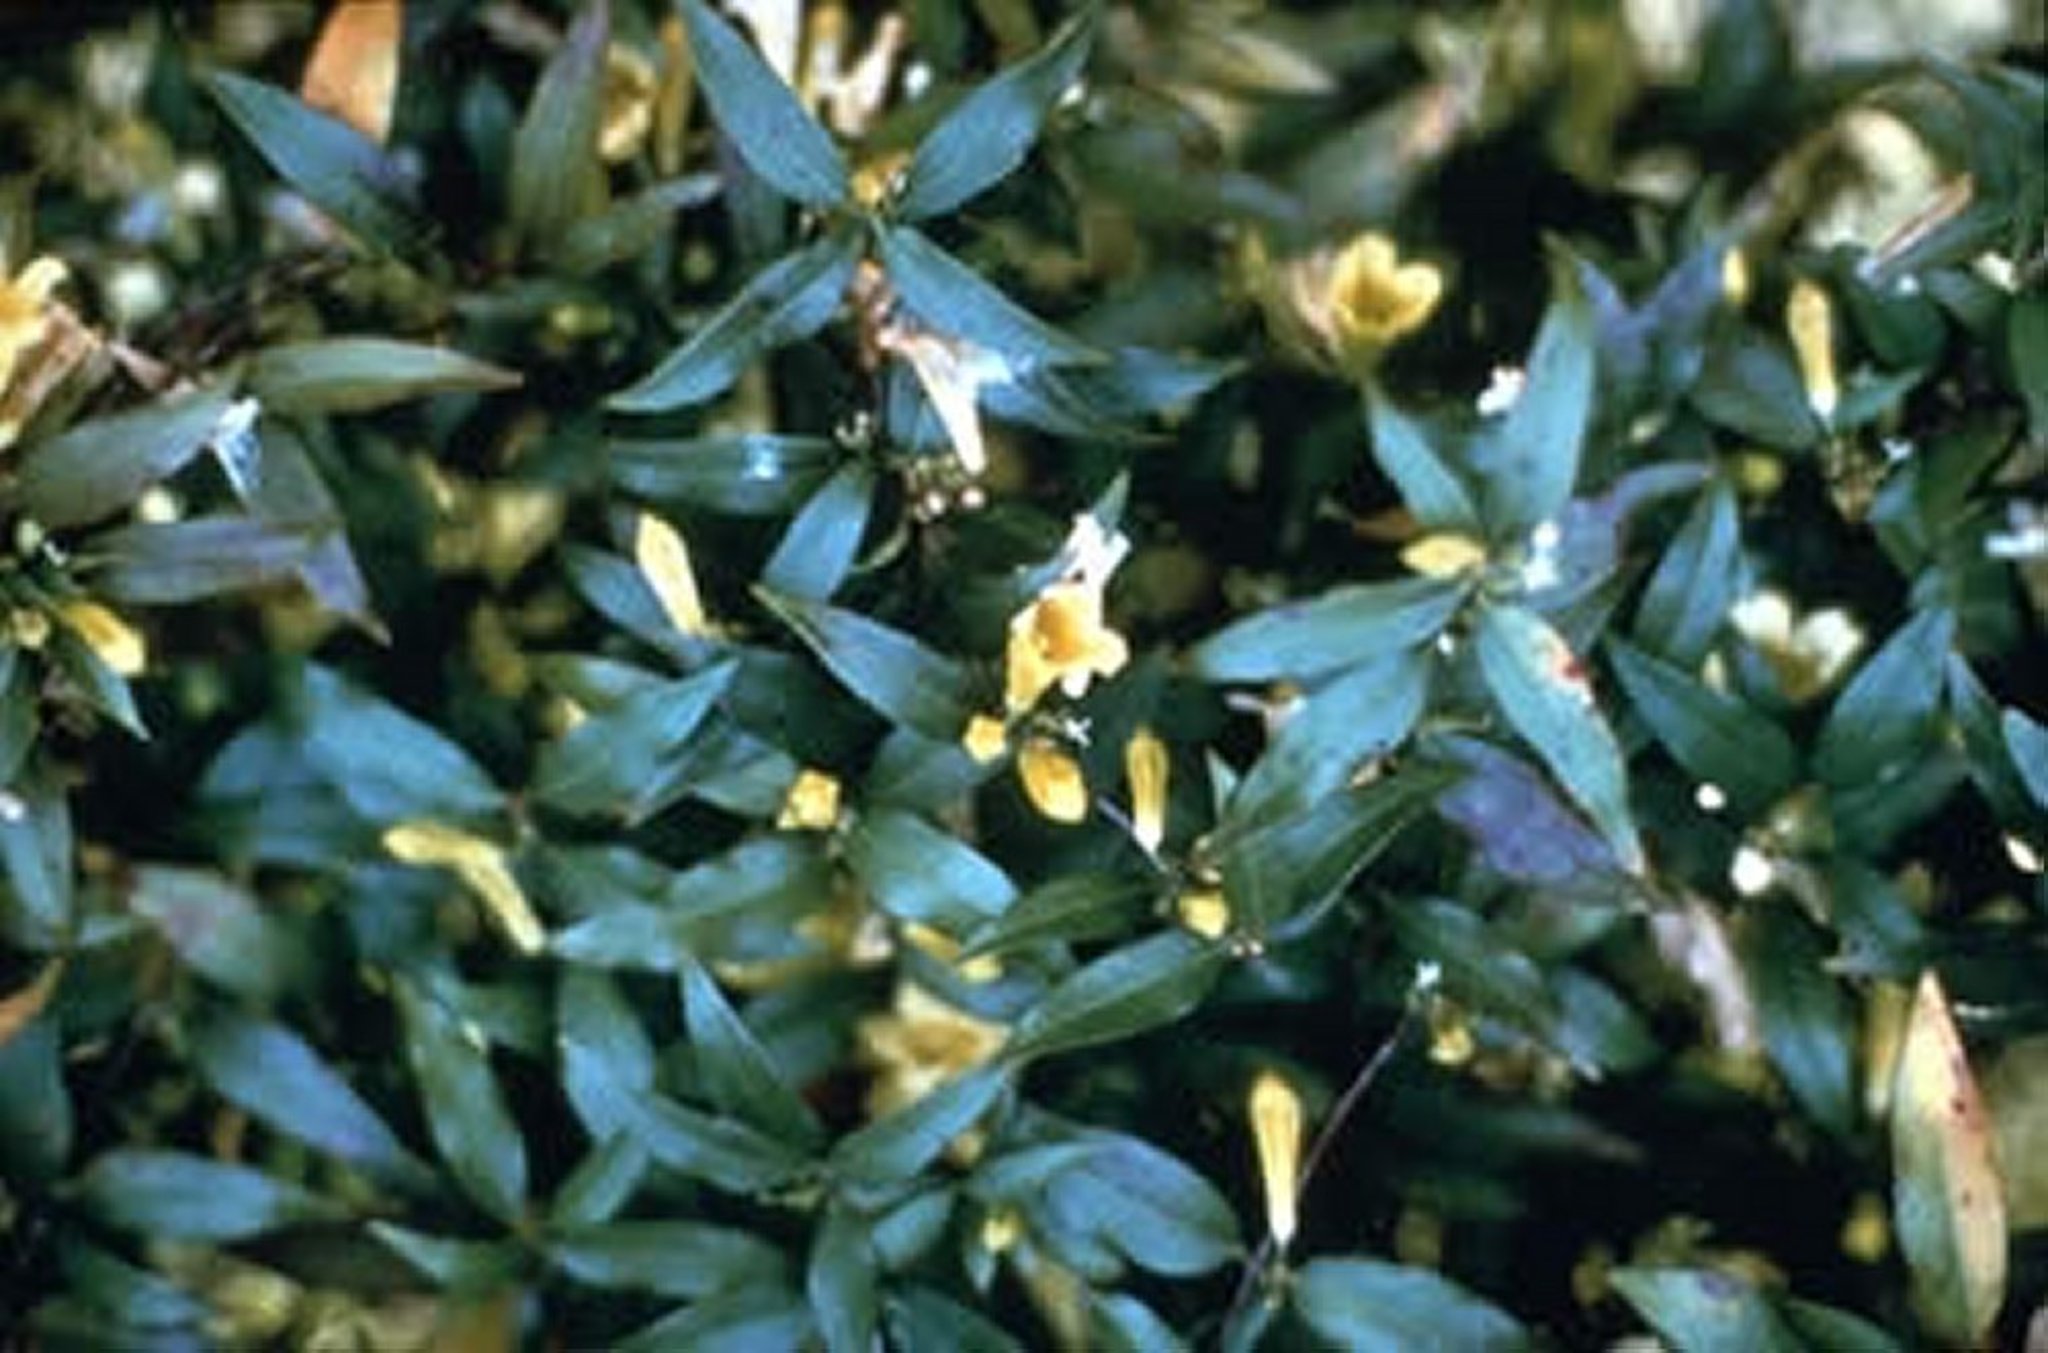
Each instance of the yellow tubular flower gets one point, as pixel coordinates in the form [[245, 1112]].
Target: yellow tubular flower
[[812, 803], [1059, 638], [630, 90], [1375, 299], [1810, 320], [482, 867], [110, 638], [986, 738], [1146, 766], [1053, 781], [1444, 554], [24, 300], [1276, 1131]]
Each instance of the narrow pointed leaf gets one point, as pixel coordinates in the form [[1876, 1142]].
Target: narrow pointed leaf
[[1712, 734], [1886, 716], [472, 1126], [101, 466], [1687, 599], [1431, 489], [761, 115], [1545, 431], [557, 177], [818, 550], [1702, 1310], [739, 1075], [351, 375], [895, 675], [893, 1149], [169, 1195], [1370, 1306], [1343, 627], [955, 301], [1126, 992], [609, 761]]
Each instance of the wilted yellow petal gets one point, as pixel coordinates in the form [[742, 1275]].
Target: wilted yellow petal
[[812, 803], [1276, 1131], [481, 866], [1052, 780], [24, 1005], [1444, 554], [1146, 766], [986, 738], [353, 72], [1810, 320], [1948, 1201], [664, 561], [112, 640]]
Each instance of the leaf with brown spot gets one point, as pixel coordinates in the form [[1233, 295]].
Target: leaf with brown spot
[[1947, 1199]]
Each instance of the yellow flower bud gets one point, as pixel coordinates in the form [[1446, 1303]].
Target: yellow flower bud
[[812, 803], [1147, 766], [1735, 278], [986, 738], [1204, 911], [664, 560], [1052, 780], [110, 638], [1375, 299], [1276, 1117], [483, 869], [1810, 319], [1444, 554]]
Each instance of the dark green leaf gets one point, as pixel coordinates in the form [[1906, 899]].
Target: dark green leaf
[[387, 764], [739, 1076], [1700, 1310], [669, 1258], [716, 1150], [602, 1183], [892, 1150], [168, 563], [611, 761], [750, 1320], [1713, 735], [607, 1058], [36, 852], [1542, 692], [457, 1266], [921, 1320], [1123, 1324], [2028, 743], [1145, 1204], [220, 930], [1071, 909], [472, 1126], [136, 1297], [1545, 431], [36, 1118], [1750, 386], [1343, 627], [790, 299], [340, 170], [954, 300], [894, 674], [1807, 1023], [749, 474], [1885, 716], [103, 465], [818, 550], [2026, 349], [1687, 599], [986, 135], [1339, 727], [172, 1196], [630, 227], [557, 177], [1126, 992], [916, 872], [276, 1076], [761, 115], [353, 375], [1370, 1306], [841, 1282], [1431, 490], [1824, 1327]]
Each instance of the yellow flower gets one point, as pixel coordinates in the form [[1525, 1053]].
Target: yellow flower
[[664, 562], [629, 96], [986, 738], [482, 867], [24, 303], [1052, 780], [1341, 308], [1276, 1115], [1146, 766], [812, 803], [1444, 554], [1059, 637], [1204, 911], [110, 638], [919, 1045], [1810, 320]]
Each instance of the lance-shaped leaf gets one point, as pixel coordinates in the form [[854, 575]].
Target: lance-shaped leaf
[[898, 677], [739, 1075], [790, 299], [1687, 599], [685, 1259], [169, 1195], [1714, 735], [916, 872], [1885, 718], [749, 474], [983, 139], [818, 550], [1431, 490], [631, 226], [842, 1282], [952, 299], [101, 466], [557, 176], [1545, 431], [169, 563], [1344, 627], [1540, 688], [1370, 1306], [1070, 909], [717, 1150], [1139, 1201], [2028, 743], [893, 1149], [761, 115], [607, 1057], [472, 1126], [1339, 727], [611, 762], [1703, 1310], [1948, 1202], [1806, 1020], [1126, 992], [340, 170], [387, 764], [352, 375], [219, 930]]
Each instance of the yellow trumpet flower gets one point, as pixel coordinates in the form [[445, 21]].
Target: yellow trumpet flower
[[1060, 637], [1053, 781]]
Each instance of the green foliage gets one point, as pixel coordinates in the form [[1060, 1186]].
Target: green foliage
[[929, 702]]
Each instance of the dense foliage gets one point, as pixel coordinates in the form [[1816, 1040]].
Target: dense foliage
[[1138, 675]]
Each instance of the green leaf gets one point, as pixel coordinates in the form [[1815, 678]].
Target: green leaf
[[1825, 1327], [612, 761], [169, 563], [354, 375], [1702, 1310], [895, 675], [818, 550], [717, 1150], [2026, 349], [168, 1195], [953, 299], [916, 872], [790, 299], [271, 1073], [1370, 1306], [1545, 431], [1886, 716], [103, 465], [1687, 599], [36, 853], [1540, 689], [1123, 1324], [983, 138], [1430, 489], [1948, 1202], [1342, 628], [387, 764], [746, 1321], [1749, 385], [557, 177], [607, 1058], [1145, 1204], [1124, 993], [739, 1076], [472, 1126], [1070, 909], [37, 1124], [135, 1297], [2028, 743], [339, 170], [220, 930], [922, 1320], [1807, 1024], [842, 1282], [748, 474], [602, 1183], [761, 116], [683, 1259], [631, 226], [1712, 734], [892, 1150], [455, 1266], [1337, 729]]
